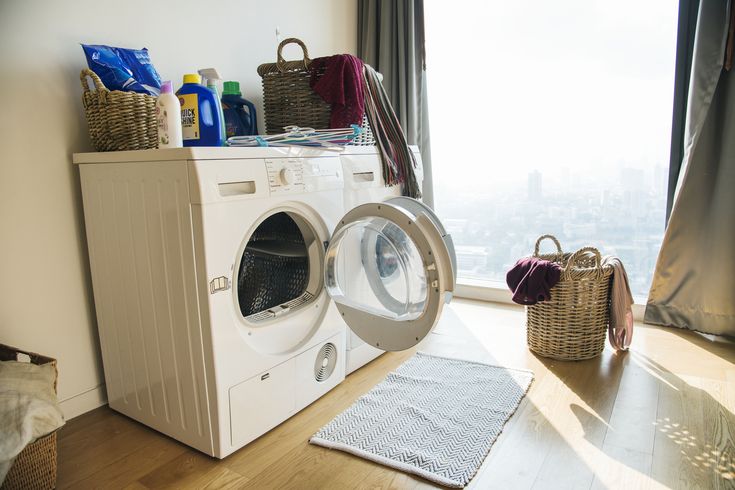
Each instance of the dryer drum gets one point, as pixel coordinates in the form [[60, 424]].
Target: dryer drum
[[274, 268]]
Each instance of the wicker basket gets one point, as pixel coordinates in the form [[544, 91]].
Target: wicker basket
[[289, 100], [35, 466], [571, 326], [118, 120]]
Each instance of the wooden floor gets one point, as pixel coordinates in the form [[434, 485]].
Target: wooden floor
[[660, 416]]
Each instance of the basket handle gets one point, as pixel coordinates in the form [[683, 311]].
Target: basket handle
[[567, 272], [292, 40], [95, 79], [553, 239]]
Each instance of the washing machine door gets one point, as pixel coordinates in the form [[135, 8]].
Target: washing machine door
[[390, 267]]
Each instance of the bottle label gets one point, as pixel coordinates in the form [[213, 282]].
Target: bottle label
[[189, 116]]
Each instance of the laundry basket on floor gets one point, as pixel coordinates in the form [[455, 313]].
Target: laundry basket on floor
[[35, 466], [571, 326]]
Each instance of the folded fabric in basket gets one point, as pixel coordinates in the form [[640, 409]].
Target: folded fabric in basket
[[531, 280], [340, 85], [28, 408]]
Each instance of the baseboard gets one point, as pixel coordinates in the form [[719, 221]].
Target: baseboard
[[83, 402]]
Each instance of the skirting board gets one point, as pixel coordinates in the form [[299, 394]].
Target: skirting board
[[83, 402]]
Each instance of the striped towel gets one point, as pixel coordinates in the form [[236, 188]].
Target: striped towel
[[398, 160]]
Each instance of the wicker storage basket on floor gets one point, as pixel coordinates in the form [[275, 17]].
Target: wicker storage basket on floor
[[571, 326], [118, 120], [289, 100], [35, 466]]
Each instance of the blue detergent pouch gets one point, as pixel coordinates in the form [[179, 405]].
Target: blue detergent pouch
[[129, 70]]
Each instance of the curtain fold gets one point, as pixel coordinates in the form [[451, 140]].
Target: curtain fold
[[694, 282], [686, 29], [391, 40]]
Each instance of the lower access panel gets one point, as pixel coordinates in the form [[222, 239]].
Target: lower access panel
[[262, 402]]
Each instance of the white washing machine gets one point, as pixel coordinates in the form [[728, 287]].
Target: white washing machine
[[213, 270]]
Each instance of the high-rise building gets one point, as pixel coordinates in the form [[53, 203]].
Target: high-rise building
[[534, 186]]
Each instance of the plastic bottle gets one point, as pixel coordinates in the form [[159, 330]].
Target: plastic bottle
[[240, 116], [210, 78], [168, 117], [200, 120]]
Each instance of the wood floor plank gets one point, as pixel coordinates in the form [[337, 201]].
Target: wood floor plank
[[679, 439], [584, 415], [717, 458], [181, 472], [219, 478], [85, 454], [143, 460]]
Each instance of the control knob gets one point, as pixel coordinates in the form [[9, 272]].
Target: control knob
[[287, 176]]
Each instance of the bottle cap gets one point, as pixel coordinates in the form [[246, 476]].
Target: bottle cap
[[192, 78], [231, 88], [166, 87]]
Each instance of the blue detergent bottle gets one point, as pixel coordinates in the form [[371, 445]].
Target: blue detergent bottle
[[200, 118], [240, 116]]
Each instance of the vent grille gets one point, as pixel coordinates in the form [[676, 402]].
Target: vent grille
[[325, 362]]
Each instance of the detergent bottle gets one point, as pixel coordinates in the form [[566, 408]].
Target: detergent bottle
[[209, 79], [240, 116], [201, 123]]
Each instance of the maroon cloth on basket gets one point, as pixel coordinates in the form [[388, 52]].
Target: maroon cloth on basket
[[531, 280], [341, 85]]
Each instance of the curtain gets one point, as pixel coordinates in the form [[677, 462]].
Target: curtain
[[390, 38], [694, 282], [684, 52]]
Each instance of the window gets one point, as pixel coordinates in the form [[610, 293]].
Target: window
[[551, 117]]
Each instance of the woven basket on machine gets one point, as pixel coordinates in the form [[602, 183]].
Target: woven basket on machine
[[118, 120], [289, 100], [572, 325], [35, 466]]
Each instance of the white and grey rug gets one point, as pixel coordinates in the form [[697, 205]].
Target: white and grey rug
[[433, 416]]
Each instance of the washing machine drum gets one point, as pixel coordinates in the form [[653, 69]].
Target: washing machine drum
[[390, 268]]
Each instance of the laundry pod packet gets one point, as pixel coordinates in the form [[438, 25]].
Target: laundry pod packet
[[124, 69]]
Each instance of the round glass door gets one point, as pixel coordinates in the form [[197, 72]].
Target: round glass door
[[389, 268], [377, 268]]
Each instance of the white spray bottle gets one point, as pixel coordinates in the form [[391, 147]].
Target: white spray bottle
[[210, 77]]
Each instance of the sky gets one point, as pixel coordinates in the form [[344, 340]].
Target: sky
[[519, 86]]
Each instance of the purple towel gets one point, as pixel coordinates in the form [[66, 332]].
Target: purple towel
[[531, 280], [341, 86]]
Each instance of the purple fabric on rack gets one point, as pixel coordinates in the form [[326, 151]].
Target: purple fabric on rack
[[341, 85], [531, 280]]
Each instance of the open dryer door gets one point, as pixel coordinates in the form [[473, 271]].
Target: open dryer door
[[390, 267]]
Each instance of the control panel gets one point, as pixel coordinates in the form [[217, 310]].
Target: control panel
[[297, 175], [285, 174]]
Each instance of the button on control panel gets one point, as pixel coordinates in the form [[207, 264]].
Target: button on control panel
[[285, 175]]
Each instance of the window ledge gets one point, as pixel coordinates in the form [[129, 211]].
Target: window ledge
[[497, 292]]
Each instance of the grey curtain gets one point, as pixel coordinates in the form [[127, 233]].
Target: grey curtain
[[686, 29], [694, 282], [390, 38]]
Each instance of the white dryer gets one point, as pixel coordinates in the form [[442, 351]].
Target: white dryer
[[213, 270]]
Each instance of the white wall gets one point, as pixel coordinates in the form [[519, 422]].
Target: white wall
[[45, 289]]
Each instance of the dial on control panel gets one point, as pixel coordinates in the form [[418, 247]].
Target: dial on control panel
[[287, 176]]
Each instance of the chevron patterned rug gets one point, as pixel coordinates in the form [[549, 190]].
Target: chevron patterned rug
[[433, 416]]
